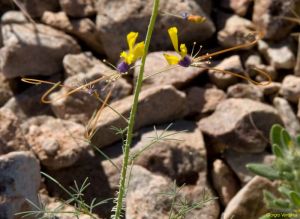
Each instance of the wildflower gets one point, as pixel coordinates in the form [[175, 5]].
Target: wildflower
[[184, 60], [135, 52]]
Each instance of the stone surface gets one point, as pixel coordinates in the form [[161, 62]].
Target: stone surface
[[11, 136], [224, 181], [245, 91], [248, 202], [20, 180], [204, 100], [290, 88], [36, 8], [285, 111], [80, 106], [14, 17], [81, 63], [176, 76], [273, 54], [234, 31], [271, 89], [83, 29], [114, 24], [267, 17], [222, 80], [78, 8], [20, 40], [57, 143], [157, 105], [5, 91], [240, 124], [238, 161], [239, 7]]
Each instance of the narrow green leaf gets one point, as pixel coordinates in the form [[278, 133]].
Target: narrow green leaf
[[277, 151], [284, 190], [275, 134], [281, 203], [298, 140], [268, 196], [287, 175], [264, 170], [285, 138], [295, 197]]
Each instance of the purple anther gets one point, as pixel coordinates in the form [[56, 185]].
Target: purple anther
[[123, 67], [185, 62], [184, 15]]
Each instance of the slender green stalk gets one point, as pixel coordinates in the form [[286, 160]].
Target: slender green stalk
[[137, 91]]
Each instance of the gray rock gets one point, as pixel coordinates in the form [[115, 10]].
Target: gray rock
[[178, 76], [222, 80], [81, 63], [36, 8], [5, 91], [80, 106], [234, 31], [20, 180], [224, 181], [285, 111], [83, 29], [78, 8], [14, 17], [273, 54], [290, 88], [156, 105], [23, 39], [245, 91], [248, 202], [238, 161], [11, 136], [240, 124], [57, 143], [204, 100], [114, 24], [267, 17]]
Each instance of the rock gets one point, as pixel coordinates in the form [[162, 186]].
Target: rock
[[80, 106], [204, 100], [235, 31], [78, 8], [178, 76], [11, 136], [271, 89], [11, 17], [57, 143], [267, 16], [290, 88], [268, 69], [81, 63], [238, 161], [156, 105], [23, 39], [143, 201], [36, 8], [28, 103], [240, 124], [5, 91], [285, 111], [20, 180], [224, 181], [273, 54], [83, 29], [114, 24], [239, 7], [252, 61], [222, 80], [248, 203], [245, 91]]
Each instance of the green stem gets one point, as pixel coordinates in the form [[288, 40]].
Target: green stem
[[137, 91]]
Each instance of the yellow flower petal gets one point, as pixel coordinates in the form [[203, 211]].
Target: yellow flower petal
[[171, 59], [124, 55], [131, 38], [174, 38], [138, 50], [183, 50]]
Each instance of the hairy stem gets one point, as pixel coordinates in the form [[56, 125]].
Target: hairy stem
[[137, 91]]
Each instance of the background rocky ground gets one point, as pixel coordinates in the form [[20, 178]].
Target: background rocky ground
[[226, 120]]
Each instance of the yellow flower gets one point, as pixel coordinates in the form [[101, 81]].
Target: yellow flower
[[135, 51], [183, 60]]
